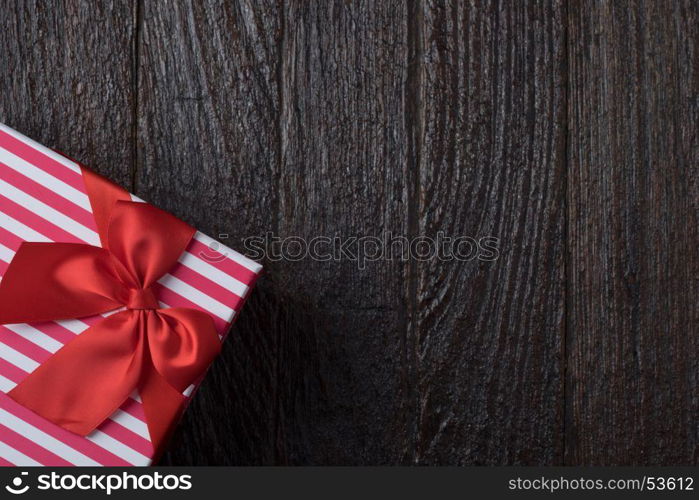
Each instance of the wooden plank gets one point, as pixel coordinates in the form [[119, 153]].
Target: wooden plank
[[345, 374], [66, 79], [633, 337], [208, 106], [489, 334]]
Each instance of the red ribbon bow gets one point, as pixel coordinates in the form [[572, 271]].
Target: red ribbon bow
[[160, 352]]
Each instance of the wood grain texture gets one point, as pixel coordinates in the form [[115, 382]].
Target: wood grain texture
[[633, 184], [344, 168], [208, 107], [66, 73], [492, 164], [567, 130]]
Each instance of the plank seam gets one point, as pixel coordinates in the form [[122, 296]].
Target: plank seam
[[280, 452], [565, 347], [138, 16], [414, 124]]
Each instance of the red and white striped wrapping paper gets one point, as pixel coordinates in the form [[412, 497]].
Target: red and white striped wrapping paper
[[43, 198]]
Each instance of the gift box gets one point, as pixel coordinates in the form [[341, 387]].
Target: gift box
[[47, 199]]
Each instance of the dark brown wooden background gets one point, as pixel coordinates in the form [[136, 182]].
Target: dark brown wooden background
[[569, 130]]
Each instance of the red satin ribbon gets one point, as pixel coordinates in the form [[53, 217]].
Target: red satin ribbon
[[160, 352]]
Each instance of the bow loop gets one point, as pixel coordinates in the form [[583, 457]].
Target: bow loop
[[178, 337], [51, 281], [146, 241]]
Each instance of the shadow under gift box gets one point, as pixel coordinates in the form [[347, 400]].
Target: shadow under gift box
[[43, 199]]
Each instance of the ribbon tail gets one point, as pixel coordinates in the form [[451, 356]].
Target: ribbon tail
[[163, 406], [102, 194], [182, 343], [83, 383]]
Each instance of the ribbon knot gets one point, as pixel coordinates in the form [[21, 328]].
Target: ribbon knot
[[159, 354], [141, 299]]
